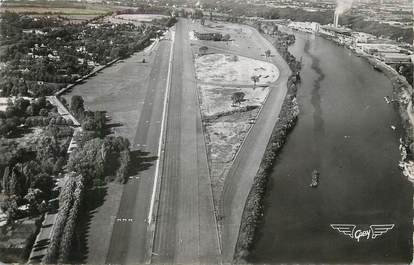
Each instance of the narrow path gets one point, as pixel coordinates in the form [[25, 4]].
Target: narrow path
[[233, 85]]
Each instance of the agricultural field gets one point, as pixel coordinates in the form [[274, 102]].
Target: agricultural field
[[136, 19], [70, 12], [54, 11]]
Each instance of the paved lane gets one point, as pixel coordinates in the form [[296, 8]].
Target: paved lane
[[128, 241], [186, 231]]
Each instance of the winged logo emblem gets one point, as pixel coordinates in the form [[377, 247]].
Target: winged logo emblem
[[345, 229], [378, 230], [356, 233]]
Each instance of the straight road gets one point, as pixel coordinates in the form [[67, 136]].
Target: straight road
[[240, 178], [186, 231], [128, 240]]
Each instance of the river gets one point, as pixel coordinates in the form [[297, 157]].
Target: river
[[343, 131]]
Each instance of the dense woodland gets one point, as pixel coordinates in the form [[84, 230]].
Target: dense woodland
[[42, 54]]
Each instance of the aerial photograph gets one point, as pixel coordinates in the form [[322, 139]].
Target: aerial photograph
[[206, 132]]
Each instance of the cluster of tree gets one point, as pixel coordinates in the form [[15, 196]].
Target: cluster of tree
[[282, 42], [98, 160], [28, 177], [37, 112], [12, 86], [91, 120], [166, 21], [237, 97], [64, 228], [143, 8], [109, 42], [59, 132], [12, 25], [212, 36], [357, 23], [406, 70]]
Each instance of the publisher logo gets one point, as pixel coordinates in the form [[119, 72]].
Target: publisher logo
[[360, 233]]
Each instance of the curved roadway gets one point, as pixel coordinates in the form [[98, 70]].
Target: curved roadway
[[239, 180]]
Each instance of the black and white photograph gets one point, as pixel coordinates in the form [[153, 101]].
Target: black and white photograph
[[206, 132]]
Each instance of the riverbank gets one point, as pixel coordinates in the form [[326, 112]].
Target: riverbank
[[253, 209], [402, 93], [402, 99]]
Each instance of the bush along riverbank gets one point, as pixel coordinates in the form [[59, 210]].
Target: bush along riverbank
[[253, 209], [402, 100]]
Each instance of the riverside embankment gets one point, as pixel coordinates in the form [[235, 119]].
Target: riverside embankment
[[344, 131], [402, 94]]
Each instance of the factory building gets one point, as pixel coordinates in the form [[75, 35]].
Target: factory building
[[393, 58]]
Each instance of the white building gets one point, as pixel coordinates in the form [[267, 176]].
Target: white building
[[311, 27]]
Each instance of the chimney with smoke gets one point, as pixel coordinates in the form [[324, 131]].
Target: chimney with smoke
[[336, 18], [341, 7]]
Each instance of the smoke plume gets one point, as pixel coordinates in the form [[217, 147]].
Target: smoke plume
[[342, 6]]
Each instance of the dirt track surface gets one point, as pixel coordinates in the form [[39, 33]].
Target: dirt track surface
[[186, 230]]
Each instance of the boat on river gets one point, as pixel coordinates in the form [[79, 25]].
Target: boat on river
[[377, 68], [315, 179]]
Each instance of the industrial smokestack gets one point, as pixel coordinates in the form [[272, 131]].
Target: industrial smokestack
[[336, 19]]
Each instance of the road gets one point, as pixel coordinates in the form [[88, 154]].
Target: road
[[62, 110], [246, 164], [128, 242], [186, 230]]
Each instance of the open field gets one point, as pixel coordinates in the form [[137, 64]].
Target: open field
[[224, 137], [119, 90], [140, 17], [216, 99], [227, 68]]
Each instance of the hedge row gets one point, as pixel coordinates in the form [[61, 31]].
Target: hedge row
[[59, 225], [122, 172], [69, 231], [64, 227]]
